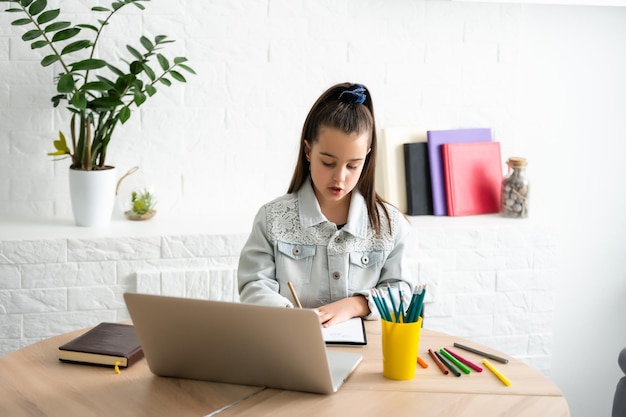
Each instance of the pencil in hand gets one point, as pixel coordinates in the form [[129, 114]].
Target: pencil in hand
[[293, 293]]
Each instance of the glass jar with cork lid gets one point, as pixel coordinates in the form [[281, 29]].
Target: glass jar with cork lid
[[514, 197]]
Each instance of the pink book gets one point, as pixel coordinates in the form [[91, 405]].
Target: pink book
[[473, 174], [436, 138]]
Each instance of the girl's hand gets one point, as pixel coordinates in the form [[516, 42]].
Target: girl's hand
[[343, 310]]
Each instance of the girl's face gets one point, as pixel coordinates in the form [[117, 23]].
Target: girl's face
[[337, 160]]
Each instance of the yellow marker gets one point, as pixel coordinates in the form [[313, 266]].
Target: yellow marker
[[117, 367], [497, 373]]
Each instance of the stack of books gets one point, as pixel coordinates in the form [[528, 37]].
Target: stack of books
[[454, 172]]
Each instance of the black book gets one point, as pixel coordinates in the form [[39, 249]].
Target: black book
[[106, 344], [419, 196]]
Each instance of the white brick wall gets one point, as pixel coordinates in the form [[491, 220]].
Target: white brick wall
[[490, 279], [260, 66]]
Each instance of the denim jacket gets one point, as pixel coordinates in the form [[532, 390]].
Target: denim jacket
[[291, 240]]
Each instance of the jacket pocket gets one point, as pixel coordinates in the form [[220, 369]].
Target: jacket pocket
[[294, 262], [365, 268]]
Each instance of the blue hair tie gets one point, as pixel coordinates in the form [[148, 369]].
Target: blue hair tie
[[355, 94]]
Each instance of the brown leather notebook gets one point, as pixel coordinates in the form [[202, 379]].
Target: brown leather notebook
[[106, 344]]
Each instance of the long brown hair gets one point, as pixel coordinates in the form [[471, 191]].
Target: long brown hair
[[349, 108]]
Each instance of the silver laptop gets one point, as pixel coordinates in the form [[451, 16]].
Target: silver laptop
[[237, 343]]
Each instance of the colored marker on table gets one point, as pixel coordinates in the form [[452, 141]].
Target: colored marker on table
[[422, 363], [440, 364], [481, 353], [448, 364], [455, 361], [497, 373], [465, 361]]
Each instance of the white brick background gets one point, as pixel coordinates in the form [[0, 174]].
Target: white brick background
[[489, 279], [234, 127]]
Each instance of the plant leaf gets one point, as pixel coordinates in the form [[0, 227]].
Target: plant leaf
[[37, 7], [88, 64], [165, 81], [85, 26], [57, 99], [38, 44], [49, 60], [48, 16], [105, 103], [110, 84], [134, 53], [150, 90], [159, 38], [76, 46], [100, 9], [124, 82], [21, 22], [25, 3], [139, 98], [66, 83], [31, 34], [124, 114], [79, 100], [180, 60], [135, 67], [146, 43], [115, 70], [60, 146], [163, 62], [65, 34], [186, 68], [56, 26], [149, 72], [97, 86], [178, 76]]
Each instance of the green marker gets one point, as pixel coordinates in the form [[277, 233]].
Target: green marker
[[455, 361]]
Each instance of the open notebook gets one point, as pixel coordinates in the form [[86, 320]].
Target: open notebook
[[346, 333], [237, 343]]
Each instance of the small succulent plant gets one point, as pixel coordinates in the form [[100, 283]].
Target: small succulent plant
[[142, 203]]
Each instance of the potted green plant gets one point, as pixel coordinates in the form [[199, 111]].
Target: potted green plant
[[142, 203], [98, 94]]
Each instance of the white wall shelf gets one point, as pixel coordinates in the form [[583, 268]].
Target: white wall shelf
[[614, 3]]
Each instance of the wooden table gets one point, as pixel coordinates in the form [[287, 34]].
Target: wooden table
[[429, 394], [33, 382]]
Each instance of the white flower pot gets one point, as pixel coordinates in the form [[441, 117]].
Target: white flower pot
[[93, 196]]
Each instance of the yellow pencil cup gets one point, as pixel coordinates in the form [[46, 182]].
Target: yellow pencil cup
[[400, 346]]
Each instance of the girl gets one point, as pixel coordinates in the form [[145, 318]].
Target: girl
[[332, 236]]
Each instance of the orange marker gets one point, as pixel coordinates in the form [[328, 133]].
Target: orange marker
[[422, 363]]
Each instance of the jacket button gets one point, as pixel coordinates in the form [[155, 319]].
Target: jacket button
[[336, 275], [365, 260], [296, 251]]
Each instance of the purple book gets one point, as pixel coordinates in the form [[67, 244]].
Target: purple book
[[435, 139]]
